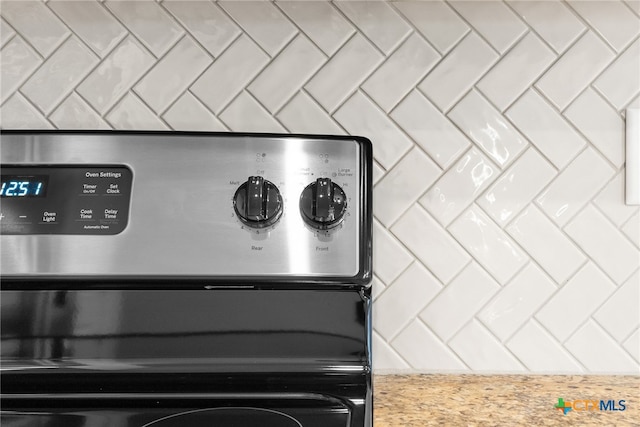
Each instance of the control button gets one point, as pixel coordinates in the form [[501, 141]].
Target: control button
[[49, 216], [323, 204], [113, 189], [258, 202], [111, 214], [89, 188], [86, 214]]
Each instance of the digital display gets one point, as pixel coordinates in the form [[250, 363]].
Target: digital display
[[24, 186]]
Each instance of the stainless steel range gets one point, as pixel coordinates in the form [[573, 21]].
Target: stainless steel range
[[156, 279]]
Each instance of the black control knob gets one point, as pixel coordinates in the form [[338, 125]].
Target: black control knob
[[323, 204], [258, 202]]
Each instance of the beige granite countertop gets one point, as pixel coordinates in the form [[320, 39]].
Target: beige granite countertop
[[501, 400]]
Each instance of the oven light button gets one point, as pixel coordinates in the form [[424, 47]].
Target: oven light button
[[323, 204], [258, 203]]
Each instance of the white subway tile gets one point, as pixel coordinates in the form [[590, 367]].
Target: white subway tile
[[173, 74], [604, 244], [115, 75], [488, 244], [377, 287], [302, 114], [516, 302], [131, 113], [342, 74], [600, 124], [516, 71], [459, 186], [552, 20], [559, 257], [321, 22], [286, 74], [59, 74], [424, 351], [229, 74], [85, 18], [18, 113], [632, 229], [360, 116], [611, 19], [611, 201], [35, 22], [378, 172], [390, 258], [400, 72], [6, 32], [488, 128], [206, 22], [517, 187], [632, 345], [188, 114], [436, 21], [430, 243], [264, 22], [620, 82], [403, 299], [18, 60], [75, 113], [402, 185], [620, 314], [494, 20], [377, 21], [583, 62], [575, 186], [459, 301], [575, 301], [149, 22], [386, 359], [430, 128], [540, 352], [458, 71], [482, 352], [608, 358], [545, 128], [244, 114]]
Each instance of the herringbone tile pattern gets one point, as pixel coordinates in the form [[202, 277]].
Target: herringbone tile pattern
[[502, 239]]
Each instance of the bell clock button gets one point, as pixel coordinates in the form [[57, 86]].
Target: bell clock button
[[258, 203], [323, 204]]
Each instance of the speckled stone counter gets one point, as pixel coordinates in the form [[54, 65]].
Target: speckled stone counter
[[501, 400]]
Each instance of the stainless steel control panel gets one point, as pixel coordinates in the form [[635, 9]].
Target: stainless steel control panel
[[196, 205]]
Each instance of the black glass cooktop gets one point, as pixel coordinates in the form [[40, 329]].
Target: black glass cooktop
[[328, 416]]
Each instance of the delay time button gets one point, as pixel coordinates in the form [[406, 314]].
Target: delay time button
[[111, 214]]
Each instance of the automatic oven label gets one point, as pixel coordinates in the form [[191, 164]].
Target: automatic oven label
[[65, 199]]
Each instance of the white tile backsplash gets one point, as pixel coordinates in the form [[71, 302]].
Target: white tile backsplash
[[59, 74], [263, 22], [453, 307], [488, 128], [488, 244], [502, 241], [459, 186], [575, 69], [574, 302]]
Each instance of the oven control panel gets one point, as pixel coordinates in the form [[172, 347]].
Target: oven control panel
[[185, 204], [65, 199]]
